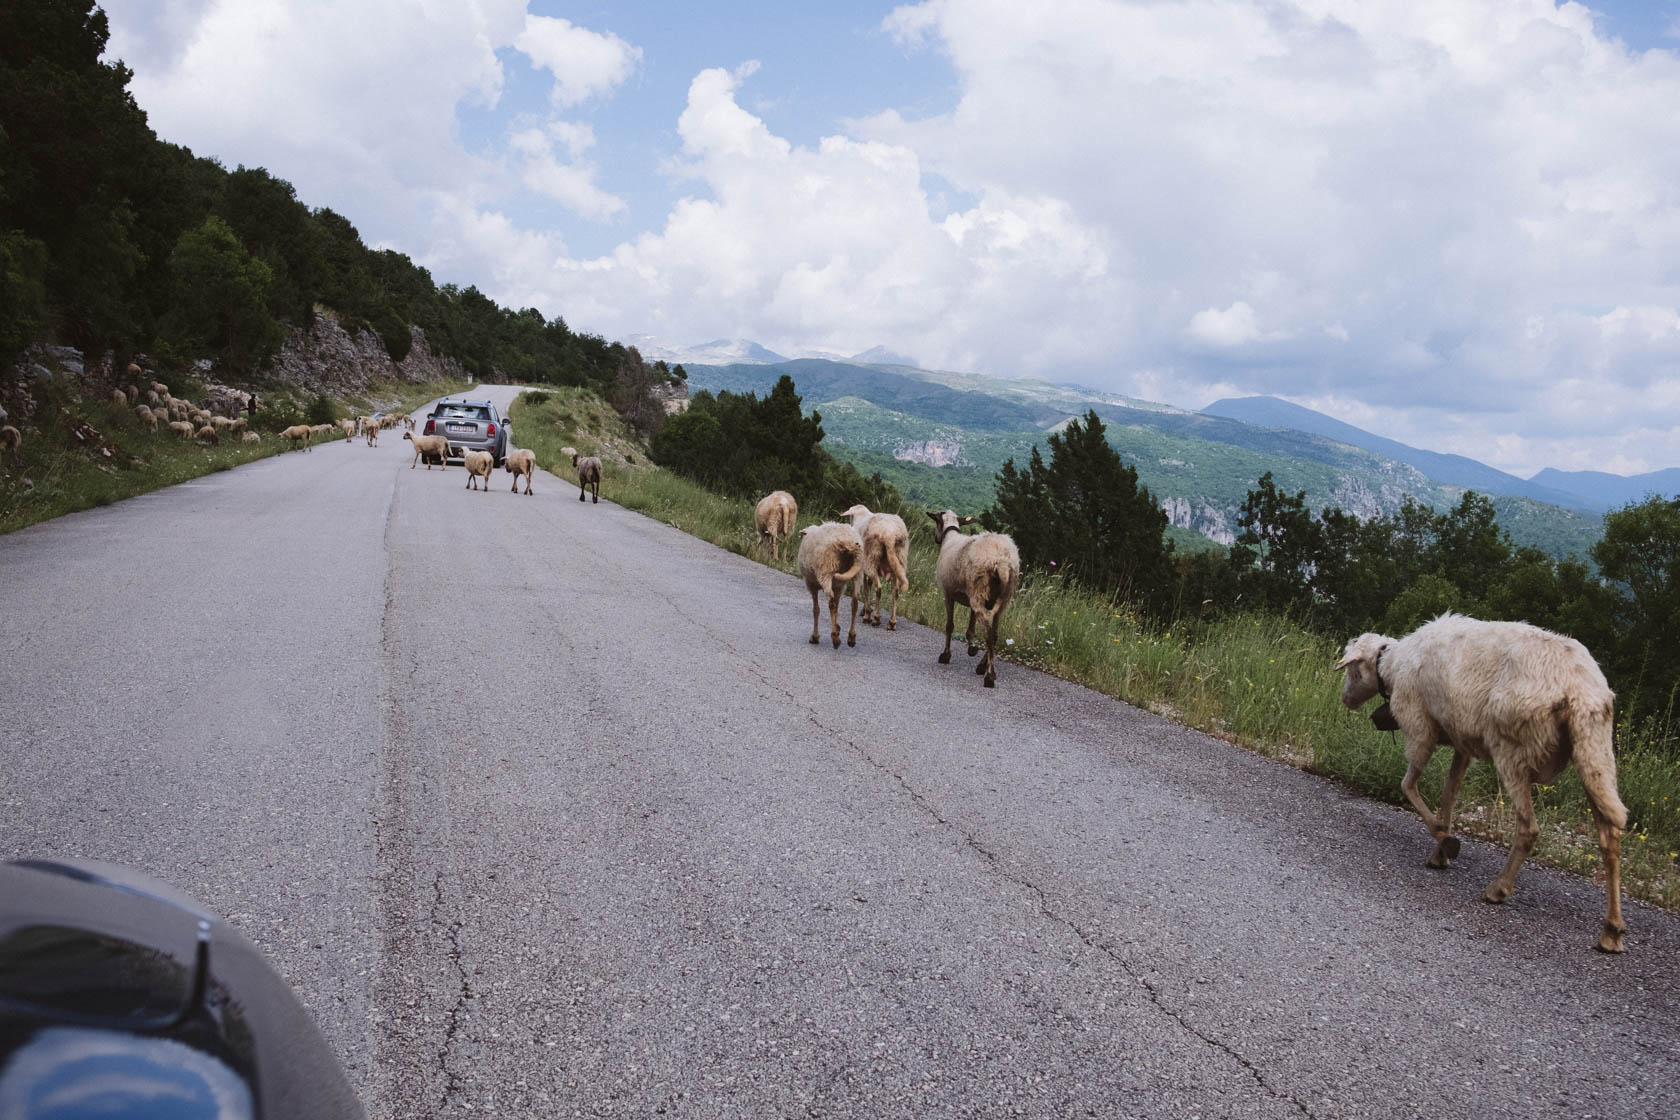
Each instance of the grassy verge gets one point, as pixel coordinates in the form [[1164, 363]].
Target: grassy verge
[[1259, 682], [79, 452]]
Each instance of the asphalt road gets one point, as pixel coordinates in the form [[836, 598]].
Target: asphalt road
[[547, 809]]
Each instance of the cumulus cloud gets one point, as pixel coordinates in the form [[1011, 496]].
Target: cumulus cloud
[[584, 63]]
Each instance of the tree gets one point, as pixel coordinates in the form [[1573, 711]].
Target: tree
[[1640, 555], [221, 298], [1084, 514], [1275, 549], [1471, 549]]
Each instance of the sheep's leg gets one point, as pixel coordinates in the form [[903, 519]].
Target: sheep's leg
[[1522, 801], [991, 651], [834, 600], [972, 648], [528, 480], [816, 617], [892, 619], [1446, 844], [851, 636], [875, 588], [1610, 851], [1417, 758], [950, 623]]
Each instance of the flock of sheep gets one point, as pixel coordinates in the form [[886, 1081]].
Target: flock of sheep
[[1525, 700], [1521, 698], [870, 551]]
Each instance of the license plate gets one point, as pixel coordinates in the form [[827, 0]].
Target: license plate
[[465, 428]]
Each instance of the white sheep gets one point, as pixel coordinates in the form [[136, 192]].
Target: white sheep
[[589, 475], [980, 572], [520, 461], [146, 416], [479, 464], [1522, 698], [297, 433], [886, 558], [348, 427], [249, 437], [10, 438], [429, 446], [775, 516], [182, 428], [830, 556], [208, 435], [119, 399]]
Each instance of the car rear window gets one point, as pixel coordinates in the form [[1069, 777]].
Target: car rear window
[[463, 412]]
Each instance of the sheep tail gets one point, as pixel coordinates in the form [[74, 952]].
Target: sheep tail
[[896, 566], [994, 589], [1591, 731], [855, 559]]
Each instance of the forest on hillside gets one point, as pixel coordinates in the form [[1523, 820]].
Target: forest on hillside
[[114, 240]]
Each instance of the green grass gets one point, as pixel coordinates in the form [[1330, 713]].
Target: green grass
[[79, 452], [1260, 682]]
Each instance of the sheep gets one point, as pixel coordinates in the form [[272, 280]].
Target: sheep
[[982, 573], [221, 423], [209, 435], [249, 437], [479, 463], [133, 395], [373, 435], [589, 475], [10, 438], [520, 461], [428, 446], [1525, 699], [146, 416], [160, 388], [830, 556], [119, 399], [295, 433], [152, 397], [349, 429], [886, 557], [181, 428], [239, 425], [776, 515]]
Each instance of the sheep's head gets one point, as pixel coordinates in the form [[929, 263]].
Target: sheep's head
[[1360, 661], [947, 522], [855, 513]]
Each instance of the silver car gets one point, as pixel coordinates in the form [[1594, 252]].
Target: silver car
[[470, 426]]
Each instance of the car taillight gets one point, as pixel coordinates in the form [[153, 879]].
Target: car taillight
[[492, 430], [428, 430]]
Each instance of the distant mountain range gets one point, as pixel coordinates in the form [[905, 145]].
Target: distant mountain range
[[742, 351], [942, 436]]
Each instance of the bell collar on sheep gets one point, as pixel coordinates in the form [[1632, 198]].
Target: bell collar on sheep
[[1383, 718]]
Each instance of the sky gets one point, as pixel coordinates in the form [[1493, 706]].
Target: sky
[[1455, 223]]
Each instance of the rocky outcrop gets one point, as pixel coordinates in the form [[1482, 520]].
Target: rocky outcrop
[[331, 359], [1201, 517], [933, 452]]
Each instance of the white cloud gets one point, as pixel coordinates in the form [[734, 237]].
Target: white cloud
[[584, 63]]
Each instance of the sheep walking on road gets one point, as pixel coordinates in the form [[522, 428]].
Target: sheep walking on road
[[886, 559], [589, 474], [297, 433], [479, 465], [982, 573], [776, 516], [520, 461], [830, 556], [373, 435], [428, 446], [1525, 699]]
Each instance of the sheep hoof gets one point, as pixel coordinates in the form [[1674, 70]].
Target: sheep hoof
[[1610, 941], [972, 650], [836, 641], [1496, 893], [1449, 846], [945, 658], [875, 622], [814, 640], [990, 682], [851, 639], [1437, 860], [893, 625], [979, 667]]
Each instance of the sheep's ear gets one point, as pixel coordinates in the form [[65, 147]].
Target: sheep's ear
[[1346, 661], [933, 515]]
